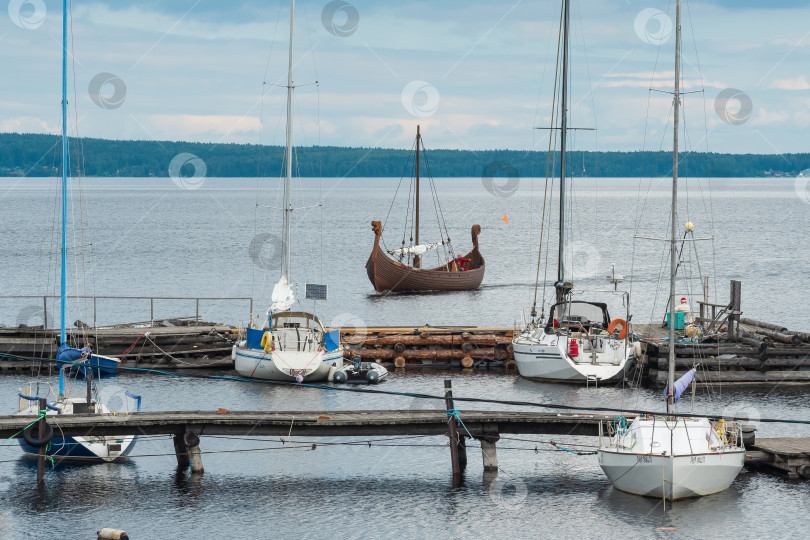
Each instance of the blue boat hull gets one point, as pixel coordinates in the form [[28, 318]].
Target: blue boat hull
[[100, 367], [69, 448]]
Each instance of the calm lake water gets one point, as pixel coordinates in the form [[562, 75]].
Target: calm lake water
[[150, 237]]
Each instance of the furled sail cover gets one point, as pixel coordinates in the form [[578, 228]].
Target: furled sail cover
[[415, 250], [681, 384], [282, 298]]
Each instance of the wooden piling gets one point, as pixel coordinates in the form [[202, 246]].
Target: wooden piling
[[451, 422], [181, 451], [488, 452], [187, 450], [43, 404]]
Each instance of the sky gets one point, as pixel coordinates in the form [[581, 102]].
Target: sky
[[475, 74]]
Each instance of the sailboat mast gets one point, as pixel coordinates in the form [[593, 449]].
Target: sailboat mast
[[673, 252], [563, 132], [285, 257], [417, 260], [63, 298]]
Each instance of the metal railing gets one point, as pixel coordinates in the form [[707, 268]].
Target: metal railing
[[151, 299]]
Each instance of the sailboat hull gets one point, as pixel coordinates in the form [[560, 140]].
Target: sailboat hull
[[544, 358], [286, 365], [104, 448], [678, 477], [85, 449], [676, 459]]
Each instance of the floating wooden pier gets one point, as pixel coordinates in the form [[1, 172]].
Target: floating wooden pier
[[787, 455], [731, 349], [162, 347], [755, 360]]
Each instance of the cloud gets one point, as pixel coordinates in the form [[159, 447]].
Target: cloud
[[201, 127], [27, 124], [798, 83]]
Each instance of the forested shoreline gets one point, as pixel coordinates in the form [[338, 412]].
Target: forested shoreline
[[40, 154]]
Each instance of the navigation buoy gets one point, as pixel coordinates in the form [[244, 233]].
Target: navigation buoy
[[505, 219]]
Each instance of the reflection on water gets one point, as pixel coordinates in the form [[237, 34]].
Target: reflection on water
[[390, 487], [387, 489]]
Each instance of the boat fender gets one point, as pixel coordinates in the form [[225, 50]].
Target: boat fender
[[233, 353], [618, 322], [399, 347], [637, 349], [267, 341], [112, 534], [372, 376], [332, 370], [340, 377], [33, 440]]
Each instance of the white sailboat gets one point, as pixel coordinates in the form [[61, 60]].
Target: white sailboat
[[669, 456], [290, 345], [579, 342], [92, 448]]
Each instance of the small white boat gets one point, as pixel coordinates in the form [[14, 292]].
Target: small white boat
[[94, 448], [296, 348], [360, 372], [673, 458], [288, 346], [578, 344]]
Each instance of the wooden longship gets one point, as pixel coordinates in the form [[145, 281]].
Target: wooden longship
[[387, 274]]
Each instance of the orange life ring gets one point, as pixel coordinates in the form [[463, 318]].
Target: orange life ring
[[614, 323]]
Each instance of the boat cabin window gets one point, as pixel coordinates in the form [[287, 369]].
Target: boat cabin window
[[578, 315]]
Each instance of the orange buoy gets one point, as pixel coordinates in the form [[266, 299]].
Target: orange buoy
[[616, 322]]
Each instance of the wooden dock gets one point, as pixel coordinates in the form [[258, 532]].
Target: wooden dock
[[744, 361], [184, 346], [789, 456]]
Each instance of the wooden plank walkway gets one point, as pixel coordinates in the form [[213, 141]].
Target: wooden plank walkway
[[313, 423], [789, 456]]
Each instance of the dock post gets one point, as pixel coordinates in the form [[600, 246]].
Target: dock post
[[451, 422], [187, 450], [41, 435], [181, 451], [734, 317], [488, 452], [462, 452]]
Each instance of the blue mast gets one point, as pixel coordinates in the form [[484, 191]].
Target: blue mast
[[62, 337]]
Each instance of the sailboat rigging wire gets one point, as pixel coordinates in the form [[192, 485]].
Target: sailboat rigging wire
[[551, 143], [519, 403], [437, 207]]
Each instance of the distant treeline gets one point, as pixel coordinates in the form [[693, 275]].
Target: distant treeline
[[40, 155]]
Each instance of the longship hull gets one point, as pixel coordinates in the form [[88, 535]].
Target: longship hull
[[387, 274]]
